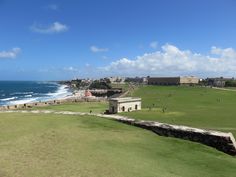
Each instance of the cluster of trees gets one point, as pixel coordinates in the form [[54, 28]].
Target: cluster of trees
[[230, 83], [99, 85], [96, 84]]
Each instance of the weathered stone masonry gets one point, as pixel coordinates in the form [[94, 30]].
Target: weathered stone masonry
[[224, 142]]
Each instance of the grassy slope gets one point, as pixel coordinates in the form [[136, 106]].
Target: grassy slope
[[197, 107], [62, 145]]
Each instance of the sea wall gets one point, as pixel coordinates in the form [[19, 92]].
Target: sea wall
[[224, 142], [51, 102]]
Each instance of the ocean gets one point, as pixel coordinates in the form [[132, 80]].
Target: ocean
[[21, 92]]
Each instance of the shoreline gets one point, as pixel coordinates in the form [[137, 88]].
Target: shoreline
[[68, 99], [62, 92]]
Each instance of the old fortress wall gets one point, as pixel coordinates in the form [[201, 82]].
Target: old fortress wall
[[224, 142], [51, 102]]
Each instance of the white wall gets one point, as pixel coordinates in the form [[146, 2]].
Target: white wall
[[129, 106]]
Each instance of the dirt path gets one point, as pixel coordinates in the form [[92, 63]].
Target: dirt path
[[109, 116], [218, 88]]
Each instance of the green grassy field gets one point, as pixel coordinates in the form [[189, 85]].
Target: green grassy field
[[49, 145], [95, 107], [193, 106]]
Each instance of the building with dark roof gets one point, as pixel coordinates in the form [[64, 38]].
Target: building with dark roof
[[187, 80]]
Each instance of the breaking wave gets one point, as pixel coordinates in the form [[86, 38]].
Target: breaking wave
[[41, 91]]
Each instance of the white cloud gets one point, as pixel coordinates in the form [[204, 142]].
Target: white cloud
[[173, 61], [105, 57], [11, 53], [52, 7], [71, 69], [225, 53], [153, 44], [97, 49], [55, 27]]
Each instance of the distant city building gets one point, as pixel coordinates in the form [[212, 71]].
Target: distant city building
[[87, 93], [141, 80], [145, 80], [218, 82], [187, 80], [126, 104], [114, 80]]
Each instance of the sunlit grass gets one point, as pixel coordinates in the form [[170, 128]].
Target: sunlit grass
[[193, 106], [85, 146]]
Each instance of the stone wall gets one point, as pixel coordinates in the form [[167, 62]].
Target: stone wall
[[51, 102], [224, 142]]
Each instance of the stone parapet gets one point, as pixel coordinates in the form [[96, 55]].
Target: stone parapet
[[51, 102], [224, 142]]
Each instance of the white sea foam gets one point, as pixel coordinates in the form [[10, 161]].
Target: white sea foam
[[31, 100], [61, 92], [8, 99], [30, 97], [21, 93]]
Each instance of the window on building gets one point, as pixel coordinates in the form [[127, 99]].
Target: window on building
[[123, 108]]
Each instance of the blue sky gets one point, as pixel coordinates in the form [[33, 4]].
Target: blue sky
[[63, 39]]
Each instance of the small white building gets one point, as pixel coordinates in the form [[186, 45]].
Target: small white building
[[126, 104]]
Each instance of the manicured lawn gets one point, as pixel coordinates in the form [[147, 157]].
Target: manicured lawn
[[49, 145], [95, 107], [125, 86], [193, 106]]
